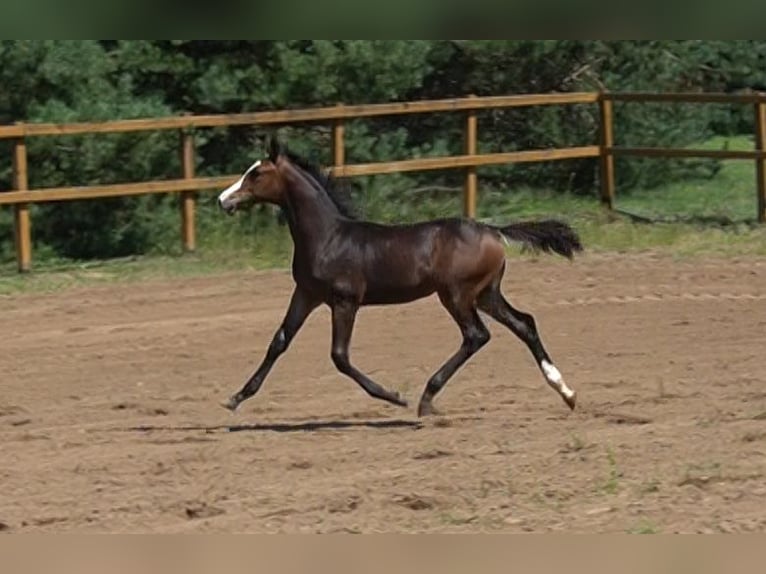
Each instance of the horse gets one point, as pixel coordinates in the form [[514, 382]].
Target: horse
[[346, 263]]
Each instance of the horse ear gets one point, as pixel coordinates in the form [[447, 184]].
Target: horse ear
[[275, 149]]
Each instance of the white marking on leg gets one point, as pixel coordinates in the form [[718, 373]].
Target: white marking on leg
[[236, 185], [555, 379]]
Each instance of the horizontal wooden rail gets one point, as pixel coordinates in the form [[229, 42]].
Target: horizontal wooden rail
[[686, 97], [114, 190], [220, 182], [367, 110], [458, 161], [674, 152], [304, 115]]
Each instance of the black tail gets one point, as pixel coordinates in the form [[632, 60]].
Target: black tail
[[547, 235]]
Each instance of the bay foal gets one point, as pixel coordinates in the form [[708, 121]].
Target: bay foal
[[347, 263]]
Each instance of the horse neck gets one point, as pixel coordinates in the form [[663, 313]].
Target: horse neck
[[311, 214]]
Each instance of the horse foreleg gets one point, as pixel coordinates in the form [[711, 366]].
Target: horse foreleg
[[343, 317], [301, 306]]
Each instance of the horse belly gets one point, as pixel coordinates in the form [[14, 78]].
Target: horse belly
[[390, 295], [397, 279]]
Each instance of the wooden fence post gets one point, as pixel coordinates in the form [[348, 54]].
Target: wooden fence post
[[469, 191], [760, 163], [338, 143], [188, 234], [21, 221], [606, 157]]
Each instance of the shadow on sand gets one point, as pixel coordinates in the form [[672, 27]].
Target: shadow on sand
[[309, 426]]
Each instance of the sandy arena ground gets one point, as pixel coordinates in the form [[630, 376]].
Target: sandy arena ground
[[110, 418]]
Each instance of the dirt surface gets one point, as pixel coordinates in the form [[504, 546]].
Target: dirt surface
[[110, 418]]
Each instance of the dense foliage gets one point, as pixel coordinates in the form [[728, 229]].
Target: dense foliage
[[65, 81]]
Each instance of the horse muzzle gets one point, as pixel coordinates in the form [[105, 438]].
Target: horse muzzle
[[228, 206]]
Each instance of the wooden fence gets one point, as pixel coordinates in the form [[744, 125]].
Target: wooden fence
[[21, 196]]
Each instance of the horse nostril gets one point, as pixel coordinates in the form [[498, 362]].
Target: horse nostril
[[226, 206]]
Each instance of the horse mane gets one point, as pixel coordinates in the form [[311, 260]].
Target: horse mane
[[340, 197]]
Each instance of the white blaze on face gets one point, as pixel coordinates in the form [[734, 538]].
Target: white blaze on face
[[237, 184], [555, 379]]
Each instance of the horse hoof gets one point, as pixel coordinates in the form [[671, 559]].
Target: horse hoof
[[571, 400], [427, 409], [231, 404]]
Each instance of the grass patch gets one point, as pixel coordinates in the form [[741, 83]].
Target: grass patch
[[701, 216], [612, 483], [223, 245], [576, 444], [700, 475], [456, 519], [53, 276], [644, 527], [650, 486], [729, 196]]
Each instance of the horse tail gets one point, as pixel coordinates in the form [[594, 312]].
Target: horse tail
[[546, 235]]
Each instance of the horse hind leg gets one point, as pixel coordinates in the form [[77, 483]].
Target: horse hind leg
[[475, 336], [521, 324]]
